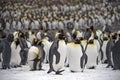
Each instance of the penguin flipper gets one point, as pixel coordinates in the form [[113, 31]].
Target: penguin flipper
[[83, 61], [57, 54]]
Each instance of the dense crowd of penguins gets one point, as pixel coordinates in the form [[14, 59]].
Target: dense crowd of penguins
[[61, 36], [31, 14]]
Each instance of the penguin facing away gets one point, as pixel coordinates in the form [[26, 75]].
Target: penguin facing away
[[57, 55], [92, 55], [75, 57], [68, 53]]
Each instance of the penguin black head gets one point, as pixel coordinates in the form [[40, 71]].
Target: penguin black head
[[114, 37], [77, 41], [21, 34], [17, 42], [87, 29], [32, 32], [40, 43], [61, 36], [109, 35], [10, 37], [81, 38], [96, 37], [91, 41], [119, 35], [35, 41], [3, 35], [29, 28], [105, 38], [92, 28], [74, 35]]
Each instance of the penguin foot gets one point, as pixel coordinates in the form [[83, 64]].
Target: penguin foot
[[107, 66], [72, 71], [15, 66], [33, 70], [58, 72], [4, 68], [47, 62], [42, 69], [92, 67], [116, 69], [49, 71], [105, 62], [82, 70], [67, 65], [19, 66]]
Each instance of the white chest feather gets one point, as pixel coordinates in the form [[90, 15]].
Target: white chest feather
[[15, 54], [62, 51]]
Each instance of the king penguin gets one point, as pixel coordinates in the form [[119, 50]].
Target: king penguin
[[104, 45], [92, 55], [57, 54], [34, 57], [46, 47], [75, 57], [15, 53]]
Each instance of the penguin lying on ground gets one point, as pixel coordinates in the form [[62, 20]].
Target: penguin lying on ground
[[57, 54]]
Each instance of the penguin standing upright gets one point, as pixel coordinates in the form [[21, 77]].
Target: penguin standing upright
[[96, 41], [69, 47], [15, 53], [75, 57], [6, 50], [46, 48], [35, 57], [105, 41], [57, 54], [116, 55], [24, 48], [92, 55], [109, 46], [31, 36]]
